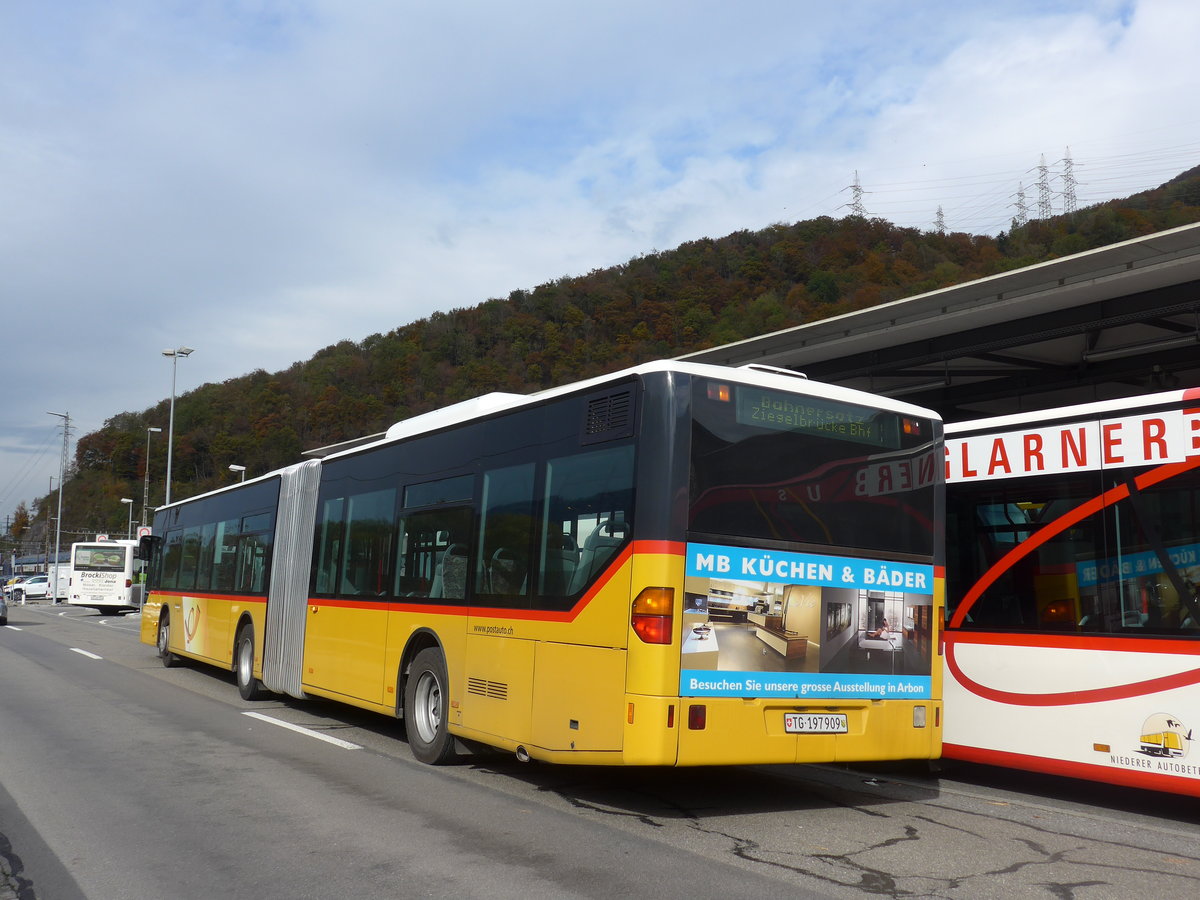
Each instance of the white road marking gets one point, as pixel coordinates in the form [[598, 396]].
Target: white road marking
[[85, 653], [346, 745]]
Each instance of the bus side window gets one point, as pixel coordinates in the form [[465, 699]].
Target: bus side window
[[367, 560], [252, 563], [585, 518], [505, 533], [191, 558], [224, 573], [172, 553], [329, 545], [432, 553], [208, 534]]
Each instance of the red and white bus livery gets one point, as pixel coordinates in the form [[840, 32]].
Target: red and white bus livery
[[1073, 580]]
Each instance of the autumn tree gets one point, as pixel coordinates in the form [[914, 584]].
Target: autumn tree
[[20, 522]]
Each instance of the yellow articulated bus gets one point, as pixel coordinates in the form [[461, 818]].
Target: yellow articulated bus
[[676, 564]]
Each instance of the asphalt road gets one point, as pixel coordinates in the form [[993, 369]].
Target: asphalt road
[[121, 779]]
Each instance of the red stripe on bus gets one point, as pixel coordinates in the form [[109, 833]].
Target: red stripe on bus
[[1071, 698], [667, 548], [204, 595], [1102, 642], [1108, 774]]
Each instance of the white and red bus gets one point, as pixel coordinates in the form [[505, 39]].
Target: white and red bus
[[1073, 569]]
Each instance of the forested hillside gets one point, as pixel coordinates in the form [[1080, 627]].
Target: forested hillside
[[704, 293]]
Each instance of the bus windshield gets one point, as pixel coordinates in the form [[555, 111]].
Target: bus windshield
[[785, 467]]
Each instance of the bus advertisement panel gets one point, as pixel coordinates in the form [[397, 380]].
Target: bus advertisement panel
[[1074, 641], [868, 621]]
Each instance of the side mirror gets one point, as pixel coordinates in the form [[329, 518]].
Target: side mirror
[[147, 546]]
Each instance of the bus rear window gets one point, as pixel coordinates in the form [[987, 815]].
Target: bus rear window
[[787, 467], [100, 559]]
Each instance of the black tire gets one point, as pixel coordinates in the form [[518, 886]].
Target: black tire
[[426, 700], [168, 659], [249, 687]]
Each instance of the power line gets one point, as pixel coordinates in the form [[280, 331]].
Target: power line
[[983, 203]]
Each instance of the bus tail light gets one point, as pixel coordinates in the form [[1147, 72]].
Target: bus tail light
[[918, 717], [128, 582], [697, 717], [653, 615]]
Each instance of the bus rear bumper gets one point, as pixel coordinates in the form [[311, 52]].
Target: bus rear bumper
[[734, 731], [666, 731]]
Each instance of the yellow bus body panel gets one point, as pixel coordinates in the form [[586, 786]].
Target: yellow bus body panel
[[150, 613], [578, 697], [344, 650], [651, 729], [745, 732], [653, 669], [204, 627], [497, 698]]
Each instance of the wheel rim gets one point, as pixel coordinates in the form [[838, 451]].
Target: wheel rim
[[164, 637], [428, 713], [245, 661]]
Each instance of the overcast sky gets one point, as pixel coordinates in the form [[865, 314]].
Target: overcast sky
[[258, 179]]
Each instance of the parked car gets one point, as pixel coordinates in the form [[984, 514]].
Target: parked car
[[12, 584], [35, 587]]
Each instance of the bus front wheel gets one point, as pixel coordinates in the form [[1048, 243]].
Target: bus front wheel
[[165, 655], [425, 703], [249, 687]]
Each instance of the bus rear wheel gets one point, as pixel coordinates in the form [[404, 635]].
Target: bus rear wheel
[[168, 659], [425, 703], [249, 687]]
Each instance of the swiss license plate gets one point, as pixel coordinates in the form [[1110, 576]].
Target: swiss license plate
[[814, 723]]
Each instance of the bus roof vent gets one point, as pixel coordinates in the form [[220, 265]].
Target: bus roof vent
[[609, 416]]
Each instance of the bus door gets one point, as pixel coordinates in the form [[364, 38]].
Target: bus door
[[501, 636], [345, 634]]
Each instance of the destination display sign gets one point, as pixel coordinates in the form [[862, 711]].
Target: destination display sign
[[791, 412]]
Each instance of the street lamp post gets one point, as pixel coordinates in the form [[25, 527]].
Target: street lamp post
[[62, 467], [234, 467], [129, 528], [146, 489], [174, 354]]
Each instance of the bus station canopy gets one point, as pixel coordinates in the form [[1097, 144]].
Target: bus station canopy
[[1114, 322]]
